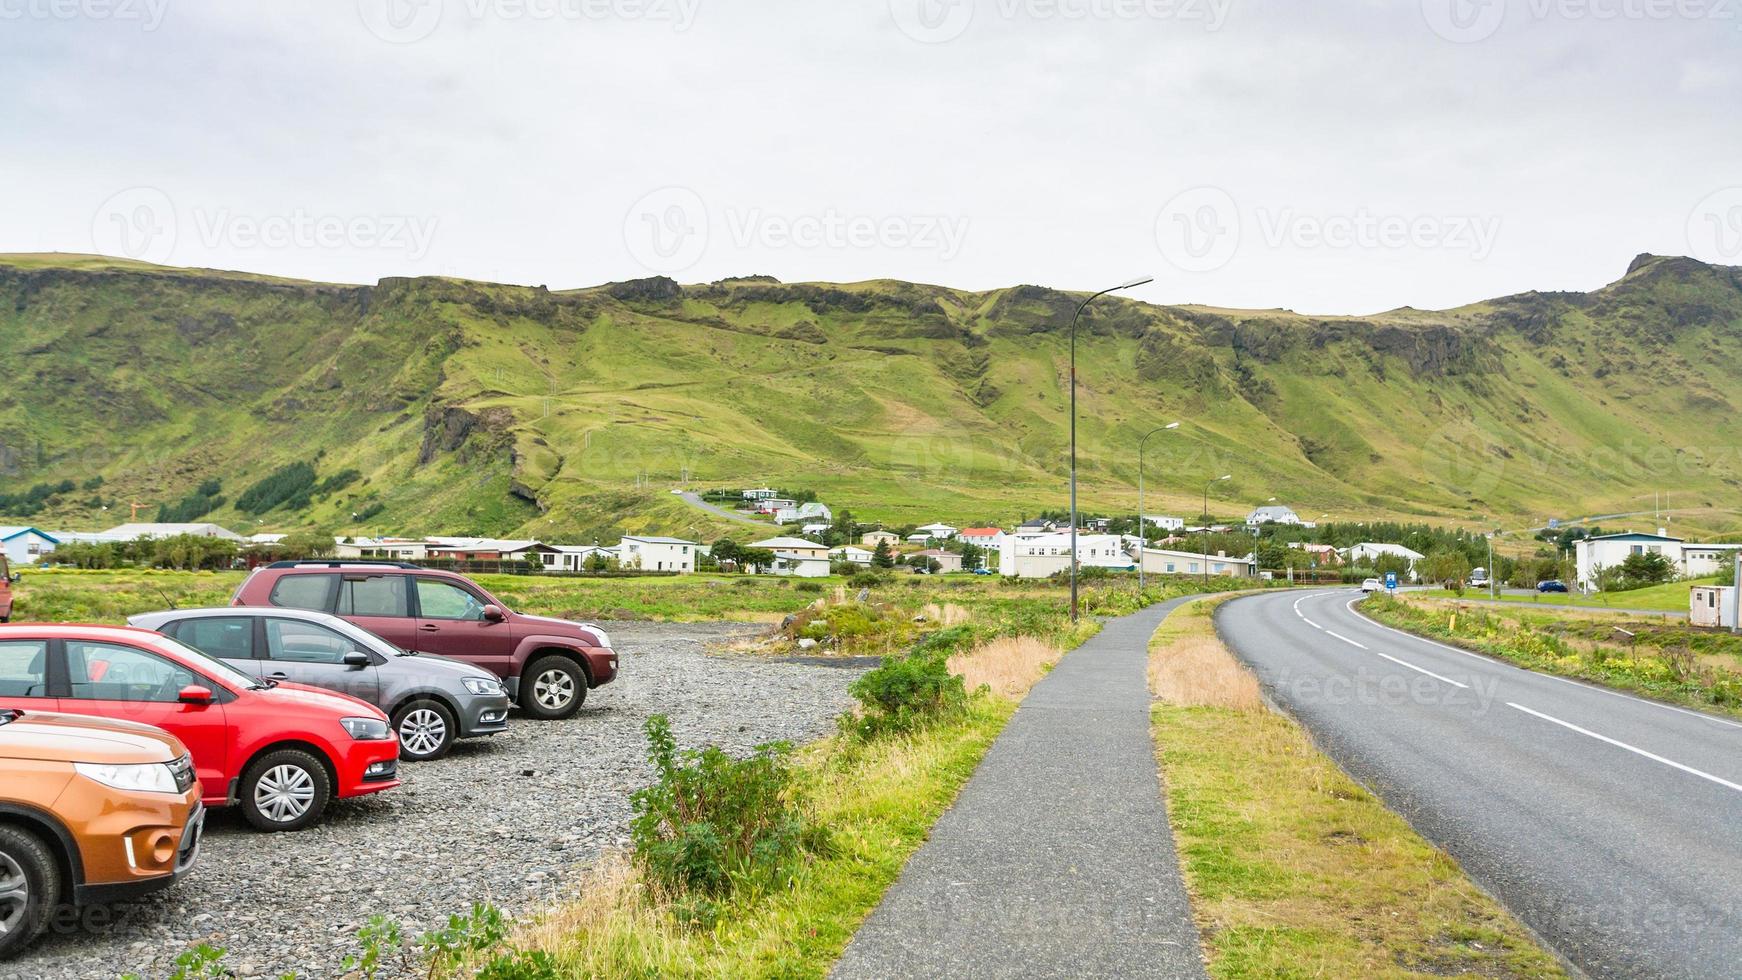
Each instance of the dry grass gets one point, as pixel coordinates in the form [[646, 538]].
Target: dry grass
[[1189, 666], [947, 615], [1009, 666]]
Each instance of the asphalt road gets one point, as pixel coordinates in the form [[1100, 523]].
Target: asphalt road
[[1610, 825], [1056, 859], [695, 500]]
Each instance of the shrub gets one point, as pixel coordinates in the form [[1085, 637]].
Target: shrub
[[868, 580], [286, 485], [808, 586], [712, 825], [910, 692]]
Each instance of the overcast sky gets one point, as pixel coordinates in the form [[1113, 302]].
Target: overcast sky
[[1331, 156]]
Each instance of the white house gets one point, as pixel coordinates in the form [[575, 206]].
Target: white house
[[1367, 551], [793, 546], [574, 557], [858, 556], [809, 529], [395, 549], [653, 554], [943, 532], [874, 538], [1164, 522], [1274, 514], [1040, 556], [804, 512], [1160, 561], [802, 566], [133, 532], [1700, 560], [1610, 550], [760, 493], [990, 538], [919, 537], [25, 545]]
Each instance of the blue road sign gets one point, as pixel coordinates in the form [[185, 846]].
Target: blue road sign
[[1391, 581]]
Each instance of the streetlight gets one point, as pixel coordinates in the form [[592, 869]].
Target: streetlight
[[1142, 527], [1204, 536], [1074, 318]]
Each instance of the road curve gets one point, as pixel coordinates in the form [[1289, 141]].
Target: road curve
[[1610, 825], [695, 500]]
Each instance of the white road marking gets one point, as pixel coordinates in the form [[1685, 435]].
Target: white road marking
[[1634, 749], [1344, 639], [1311, 623], [1420, 670], [1536, 673]]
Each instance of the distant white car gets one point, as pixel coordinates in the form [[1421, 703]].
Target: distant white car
[[1372, 585]]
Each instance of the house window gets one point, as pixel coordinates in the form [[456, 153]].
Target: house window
[[1170, 566]]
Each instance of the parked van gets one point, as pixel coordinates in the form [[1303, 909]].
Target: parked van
[[1478, 578]]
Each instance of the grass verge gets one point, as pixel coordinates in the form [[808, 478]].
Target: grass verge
[[1668, 597], [1669, 661], [1294, 869]]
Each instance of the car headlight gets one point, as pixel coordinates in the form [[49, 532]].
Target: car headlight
[[151, 777], [366, 729], [598, 634], [483, 685]]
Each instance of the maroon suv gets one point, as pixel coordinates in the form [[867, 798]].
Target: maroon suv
[[548, 664]]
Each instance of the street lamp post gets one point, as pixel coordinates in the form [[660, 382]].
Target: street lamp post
[[1204, 535], [1078, 315], [1142, 528]]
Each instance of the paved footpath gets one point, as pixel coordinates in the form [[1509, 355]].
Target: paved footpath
[[1057, 859]]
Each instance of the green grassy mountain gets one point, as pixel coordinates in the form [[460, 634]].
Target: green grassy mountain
[[473, 407]]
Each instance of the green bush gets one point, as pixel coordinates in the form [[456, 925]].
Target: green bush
[[907, 693], [808, 586], [712, 825], [868, 580]]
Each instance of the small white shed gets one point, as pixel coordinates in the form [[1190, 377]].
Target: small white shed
[[1712, 605]]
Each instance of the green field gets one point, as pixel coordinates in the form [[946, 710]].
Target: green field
[[1668, 597], [470, 407]]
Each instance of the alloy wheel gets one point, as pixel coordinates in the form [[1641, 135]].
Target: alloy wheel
[[285, 793], [422, 731], [14, 894], [554, 689]]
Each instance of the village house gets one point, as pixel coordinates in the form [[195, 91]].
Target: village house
[[800, 566], [133, 532], [943, 532], [760, 493], [655, 554], [574, 558], [26, 545], [1159, 561], [872, 539], [1275, 514], [858, 556], [1164, 522], [1042, 555], [793, 546], [948, 561], [1367, 551], [990, 538], [804, 512]]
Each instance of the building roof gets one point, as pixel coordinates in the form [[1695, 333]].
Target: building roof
[[143, 530], [936, 527], [649, 539], [934, 553], [8, 533], [776, 544], [1037, 522], [979, 532], [1273, 512], [1634, 536], [1390, 549]]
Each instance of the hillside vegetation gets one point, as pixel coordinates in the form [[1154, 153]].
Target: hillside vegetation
[[436, 405]]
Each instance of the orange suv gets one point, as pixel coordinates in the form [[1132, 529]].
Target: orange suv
[[91, 811]]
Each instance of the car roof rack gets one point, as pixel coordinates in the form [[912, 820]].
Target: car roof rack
[[342, 563]]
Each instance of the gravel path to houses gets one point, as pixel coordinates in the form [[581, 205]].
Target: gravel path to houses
[[503, 820]]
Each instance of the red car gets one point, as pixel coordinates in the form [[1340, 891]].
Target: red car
[[548, 664], [281, 751]]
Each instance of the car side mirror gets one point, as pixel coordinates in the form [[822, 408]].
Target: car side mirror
[[195, 694], [356, 660], [493, 613]]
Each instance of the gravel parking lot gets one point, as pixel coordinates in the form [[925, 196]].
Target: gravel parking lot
[[503, 820]]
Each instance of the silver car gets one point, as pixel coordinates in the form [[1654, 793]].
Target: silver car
[[432, 700]]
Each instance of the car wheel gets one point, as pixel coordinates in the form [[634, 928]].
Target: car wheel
[[30, 888], [285, 790], [552, 688], [426, 730]]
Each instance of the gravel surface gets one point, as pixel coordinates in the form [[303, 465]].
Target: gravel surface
[[504, 820]]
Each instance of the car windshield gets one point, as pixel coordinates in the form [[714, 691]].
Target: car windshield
[[215, 669]]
